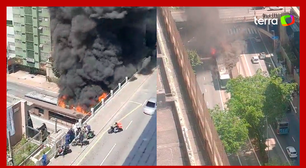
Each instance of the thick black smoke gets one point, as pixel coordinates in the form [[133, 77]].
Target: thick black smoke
[[95, 48], [208, 32]]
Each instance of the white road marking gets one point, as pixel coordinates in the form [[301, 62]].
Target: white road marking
[[207, 103], [204, 77], [280, 145], [129, 125], [107, 155], [293, 139], [205, 90], [239, 160], [293, 106]]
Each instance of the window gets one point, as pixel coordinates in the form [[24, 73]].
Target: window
[[34, 17], [11, 43], [10, 36], [17, 24], [21, 7], [9, 23]]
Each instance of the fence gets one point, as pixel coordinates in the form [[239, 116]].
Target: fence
[[26, 148], [144, 63], [210, 137], [95, 109]]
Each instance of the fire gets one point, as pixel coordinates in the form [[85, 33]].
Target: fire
[[213, 51], [61, 101], [103, 96], [81, 110], [78, 108]]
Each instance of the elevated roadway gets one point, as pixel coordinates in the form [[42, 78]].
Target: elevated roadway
[[233, 14], [136, 145]]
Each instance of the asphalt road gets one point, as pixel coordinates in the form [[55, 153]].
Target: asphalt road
[[292, 139], [19, 90], [136, 145]]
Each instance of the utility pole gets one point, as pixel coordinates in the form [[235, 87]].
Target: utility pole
[[10, 147]]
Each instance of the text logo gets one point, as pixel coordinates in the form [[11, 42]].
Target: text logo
[[266, 21], [284, 22]]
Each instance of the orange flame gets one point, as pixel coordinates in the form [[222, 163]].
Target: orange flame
[[81, 110], [61, 101], [103, 96]]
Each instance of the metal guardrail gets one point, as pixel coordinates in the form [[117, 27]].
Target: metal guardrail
[[100, 105]]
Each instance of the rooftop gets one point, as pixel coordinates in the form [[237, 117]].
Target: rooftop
[[42, 97], [11, 100]]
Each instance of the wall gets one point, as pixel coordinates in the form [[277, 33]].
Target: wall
[[17, 124], [210, 137]]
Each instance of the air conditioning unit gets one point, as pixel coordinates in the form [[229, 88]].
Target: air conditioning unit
[[41, 45], [40, 28]]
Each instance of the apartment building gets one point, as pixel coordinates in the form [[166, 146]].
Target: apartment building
[[32, 38]]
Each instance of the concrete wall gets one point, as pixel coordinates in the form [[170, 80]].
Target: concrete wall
[[17, 124], [208, 133]]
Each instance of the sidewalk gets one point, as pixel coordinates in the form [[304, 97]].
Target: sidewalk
[[295, 102], [101, 120], [37, 81]]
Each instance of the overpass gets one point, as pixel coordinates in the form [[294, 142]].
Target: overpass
[[236, 14], [50, 111]]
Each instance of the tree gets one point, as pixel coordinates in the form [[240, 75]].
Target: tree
[[254, 98], [233, 131], [194, 58], [276, 162]]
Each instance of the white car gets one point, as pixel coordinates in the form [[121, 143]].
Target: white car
[[257, 39], [150, 107], [255, 60], [291, 152]]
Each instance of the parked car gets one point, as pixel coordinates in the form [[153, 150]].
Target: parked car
[[255, 60], [291, 152], [150, 107], [262, 55]]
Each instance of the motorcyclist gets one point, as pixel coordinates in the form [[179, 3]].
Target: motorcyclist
[[117, 126]]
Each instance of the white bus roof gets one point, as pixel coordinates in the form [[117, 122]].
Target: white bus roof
[[225, 76]]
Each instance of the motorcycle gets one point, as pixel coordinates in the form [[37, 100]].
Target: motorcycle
[[63, 150], [114, 130], [90, 135]]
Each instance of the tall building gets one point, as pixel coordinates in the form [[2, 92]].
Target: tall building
[[32, 38], [10, 39]]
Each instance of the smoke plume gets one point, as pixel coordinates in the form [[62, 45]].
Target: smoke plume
[[95, 48], [209, 32]]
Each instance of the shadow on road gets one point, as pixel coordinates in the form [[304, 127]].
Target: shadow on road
[[144, 150]]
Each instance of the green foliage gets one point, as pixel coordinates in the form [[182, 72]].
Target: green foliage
[[194, 58], [254, 98], [233, 131], [44, 151], [22, 150]]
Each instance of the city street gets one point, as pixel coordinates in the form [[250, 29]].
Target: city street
[[19, 90], [293, 138], [121, 148], [282, 141]]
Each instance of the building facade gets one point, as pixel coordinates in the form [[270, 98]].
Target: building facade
[[32, 38]]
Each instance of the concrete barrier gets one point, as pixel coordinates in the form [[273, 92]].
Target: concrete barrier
[[207, 131]]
